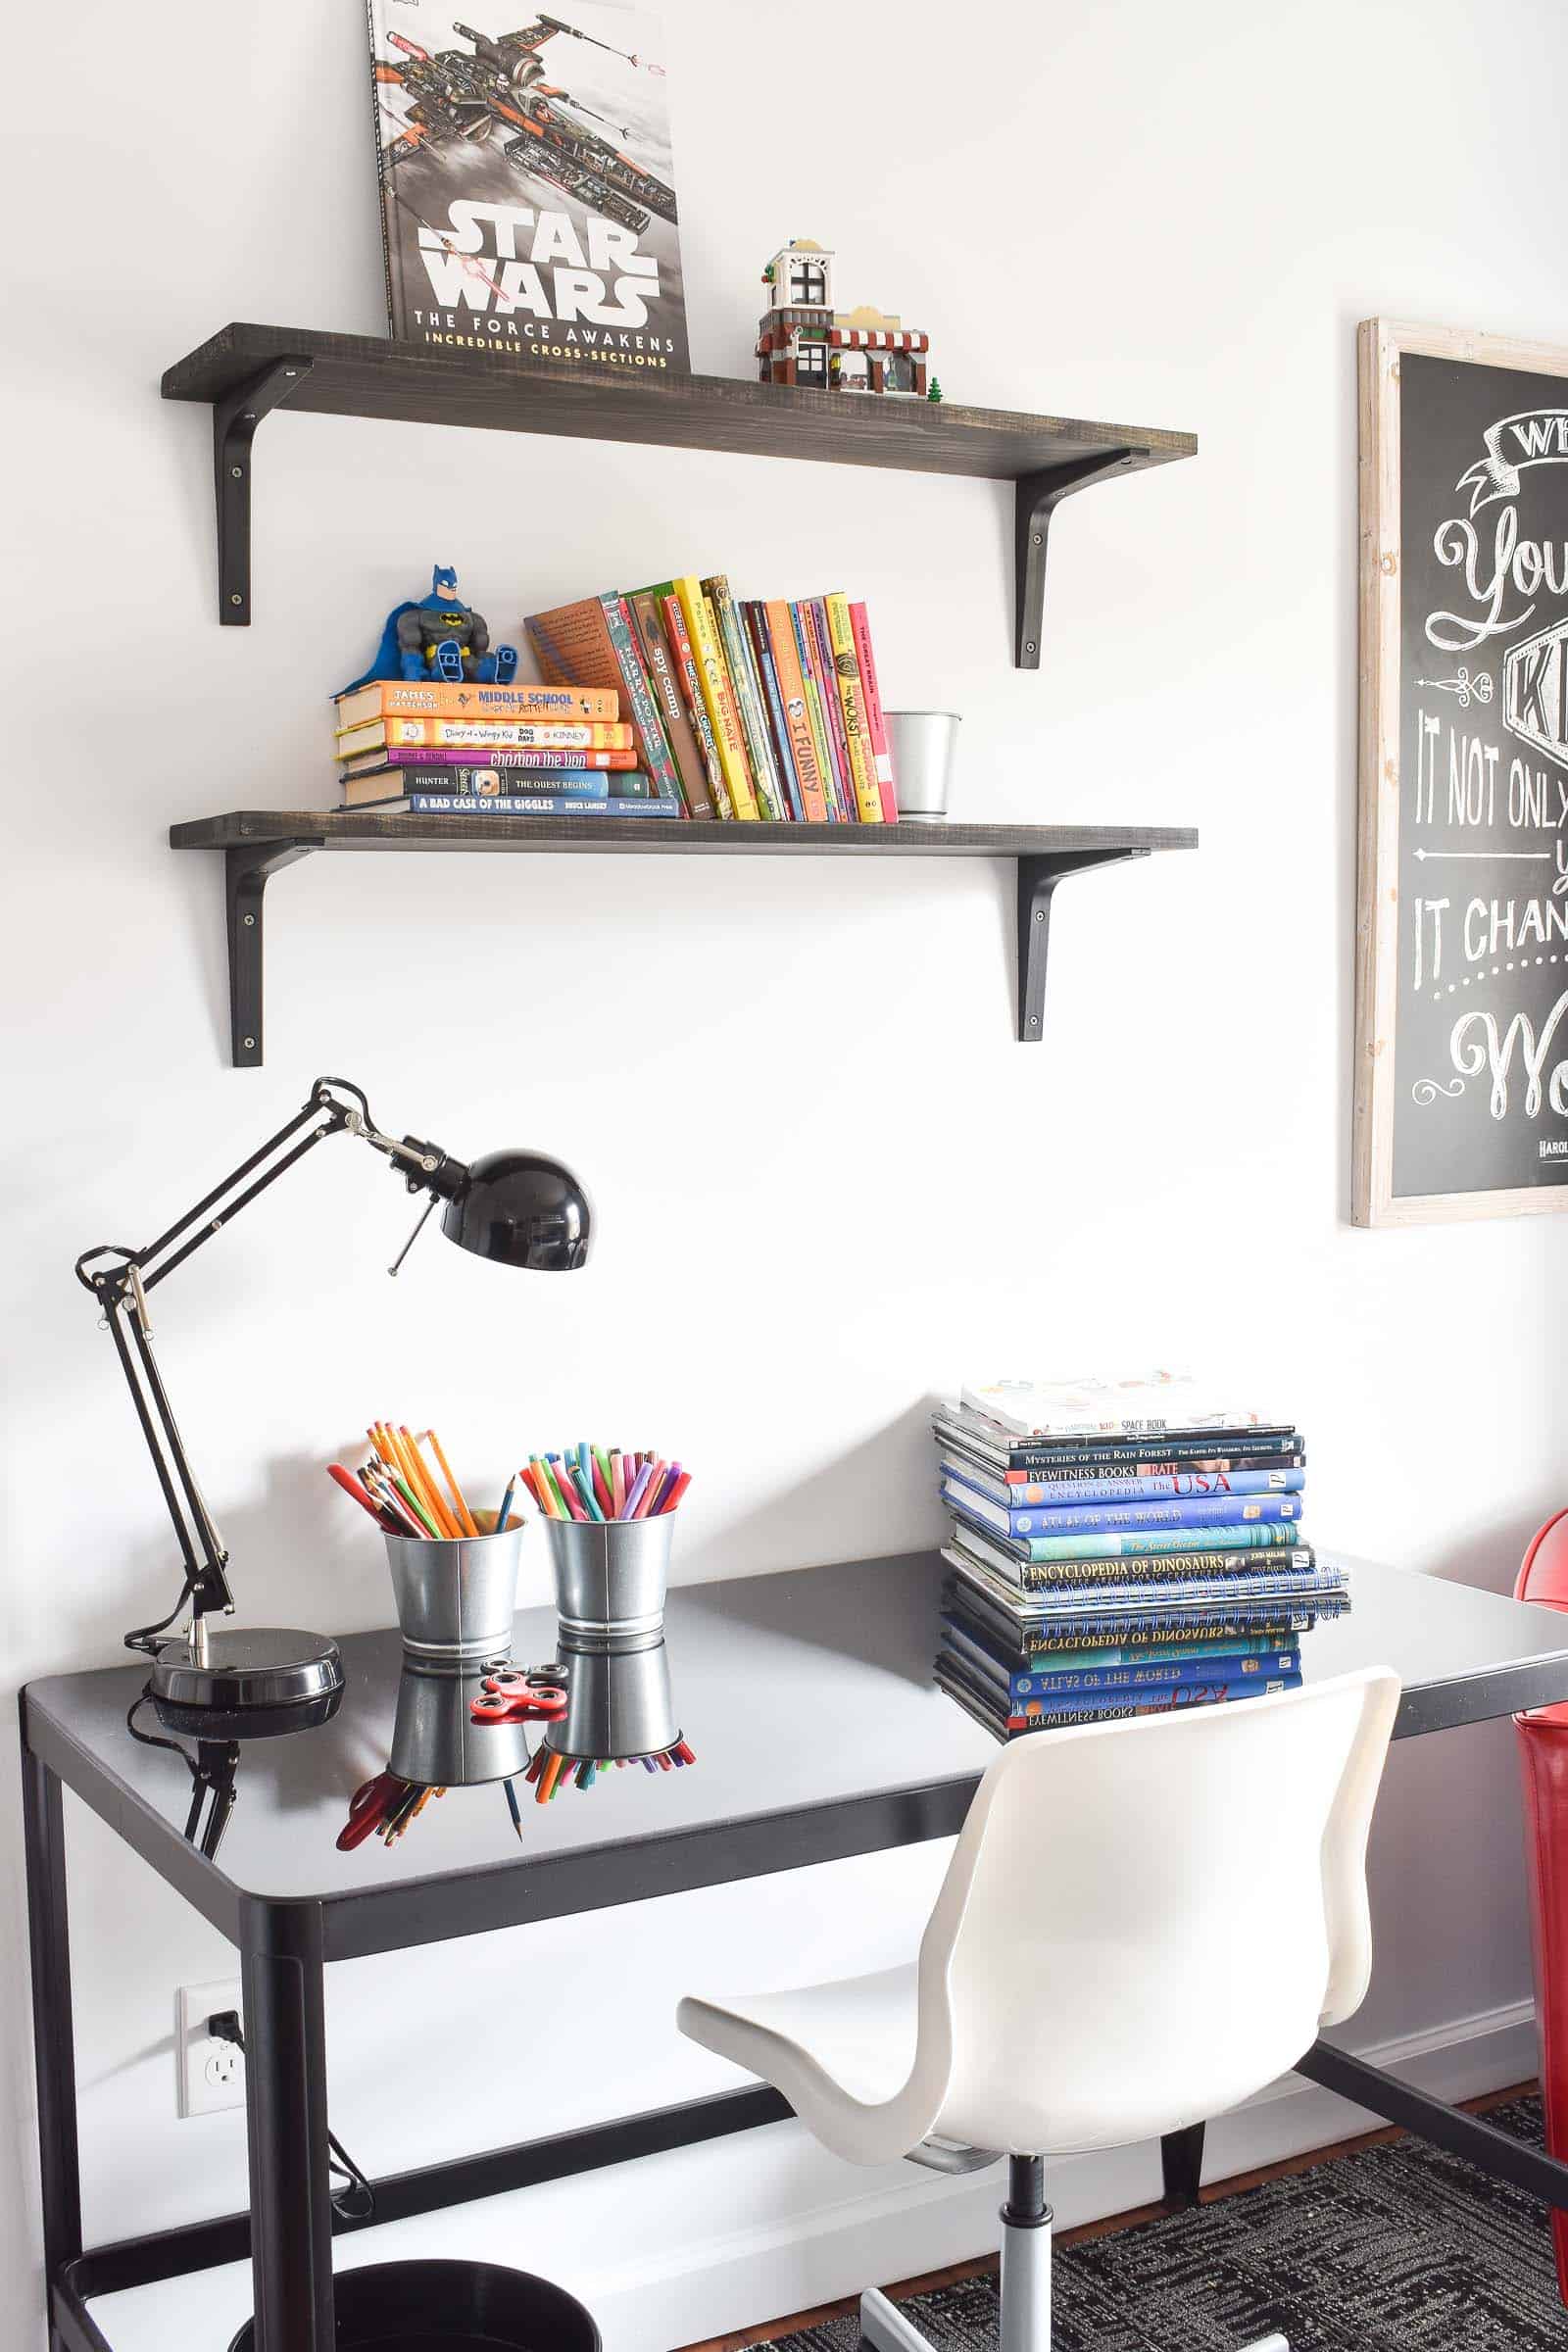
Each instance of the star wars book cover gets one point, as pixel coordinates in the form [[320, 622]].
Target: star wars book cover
[[527, 185]]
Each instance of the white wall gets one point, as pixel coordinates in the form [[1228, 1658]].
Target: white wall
[[827, 1181]]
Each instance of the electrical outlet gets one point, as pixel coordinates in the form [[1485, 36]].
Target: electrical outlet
[[209, 2074]]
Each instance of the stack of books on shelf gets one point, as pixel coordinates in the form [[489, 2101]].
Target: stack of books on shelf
[[758, 712], [458, 749], [1122, 1548]]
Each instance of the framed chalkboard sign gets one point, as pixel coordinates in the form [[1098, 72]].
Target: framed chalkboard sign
[[1461, 1094]]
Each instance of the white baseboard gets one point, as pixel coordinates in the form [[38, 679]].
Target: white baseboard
[[710, 2239]]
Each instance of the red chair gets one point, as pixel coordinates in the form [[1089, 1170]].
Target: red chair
[[1543, 1763]]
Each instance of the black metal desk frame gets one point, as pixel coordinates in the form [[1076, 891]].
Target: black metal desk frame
[[284, 1944]]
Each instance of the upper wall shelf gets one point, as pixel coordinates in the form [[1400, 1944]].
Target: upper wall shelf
[[258, 843], [246, 372]]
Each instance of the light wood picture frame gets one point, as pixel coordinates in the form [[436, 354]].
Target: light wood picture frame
[[1381, 1193]]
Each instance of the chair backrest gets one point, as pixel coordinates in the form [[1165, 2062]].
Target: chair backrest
[[1146, 1921]]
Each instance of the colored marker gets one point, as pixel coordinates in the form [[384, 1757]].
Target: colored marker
[[638, 1491]]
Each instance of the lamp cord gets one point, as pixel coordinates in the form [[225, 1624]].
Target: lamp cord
[[145, 1639], [355, 2200]]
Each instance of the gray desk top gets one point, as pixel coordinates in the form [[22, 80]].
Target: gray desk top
[[807, 1698]]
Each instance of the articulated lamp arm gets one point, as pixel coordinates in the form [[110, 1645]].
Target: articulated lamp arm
[[120, 1279]]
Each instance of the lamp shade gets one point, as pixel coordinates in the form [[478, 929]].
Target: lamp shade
[[521, 1208]]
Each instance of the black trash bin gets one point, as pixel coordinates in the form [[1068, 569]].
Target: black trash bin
[[450, 2307]]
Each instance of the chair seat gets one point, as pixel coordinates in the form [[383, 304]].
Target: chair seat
[[842, 2053]]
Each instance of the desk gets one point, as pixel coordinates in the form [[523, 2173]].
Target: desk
[[818, 1735]]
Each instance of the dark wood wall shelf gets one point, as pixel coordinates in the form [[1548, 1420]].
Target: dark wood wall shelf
[[245, 372], [259, 842]]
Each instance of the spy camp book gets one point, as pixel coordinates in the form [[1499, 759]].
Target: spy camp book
[[527, 185]]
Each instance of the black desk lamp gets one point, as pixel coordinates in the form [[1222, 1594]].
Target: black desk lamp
[[518, 1208]]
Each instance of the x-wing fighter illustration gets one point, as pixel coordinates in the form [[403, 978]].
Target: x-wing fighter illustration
[[500, 87]]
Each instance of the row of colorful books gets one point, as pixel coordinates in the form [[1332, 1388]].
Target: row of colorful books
[[758, 710], [1121, 1549]]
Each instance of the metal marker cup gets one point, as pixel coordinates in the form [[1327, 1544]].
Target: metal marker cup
[[456, 1598], [611, 1578], [618, 1700], [922, 744]]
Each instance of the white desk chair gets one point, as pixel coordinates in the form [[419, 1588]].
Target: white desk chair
[[1143, 1924]]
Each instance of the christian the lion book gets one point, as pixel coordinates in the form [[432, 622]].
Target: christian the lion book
[[527, 185]]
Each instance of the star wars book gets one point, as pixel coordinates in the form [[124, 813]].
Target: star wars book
[[527, 186]]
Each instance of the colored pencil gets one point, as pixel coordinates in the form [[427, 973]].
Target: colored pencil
[[361, 1495], [464, 1515], [426, 1479]]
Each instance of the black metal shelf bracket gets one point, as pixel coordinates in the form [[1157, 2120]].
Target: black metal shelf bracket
[[246, 875], [1036, 497], [1037, 882], [234, 421]]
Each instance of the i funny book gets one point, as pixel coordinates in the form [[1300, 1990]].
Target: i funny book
[[527, 185]]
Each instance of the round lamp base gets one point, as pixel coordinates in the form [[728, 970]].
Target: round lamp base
[[254, 1683]]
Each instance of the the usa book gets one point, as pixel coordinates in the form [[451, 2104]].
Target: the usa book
[[1144, 1486], [1228, 1510], [1147, 1548], [528, 186]]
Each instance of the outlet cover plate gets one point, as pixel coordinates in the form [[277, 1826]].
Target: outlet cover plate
[[209, 2074]]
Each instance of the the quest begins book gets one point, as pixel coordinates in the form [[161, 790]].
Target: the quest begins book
[[527, 187]]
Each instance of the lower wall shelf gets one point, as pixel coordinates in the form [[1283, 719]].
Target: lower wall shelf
[[259, 842]]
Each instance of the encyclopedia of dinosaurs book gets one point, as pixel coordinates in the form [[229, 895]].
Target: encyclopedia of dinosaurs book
[[527, 186]]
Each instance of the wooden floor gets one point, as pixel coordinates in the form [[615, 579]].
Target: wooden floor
[[768, 2332]]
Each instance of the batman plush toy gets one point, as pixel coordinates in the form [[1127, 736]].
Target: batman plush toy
[[440, 637]]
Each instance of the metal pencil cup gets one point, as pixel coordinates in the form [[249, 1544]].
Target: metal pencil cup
[[922, 744], [611, 1577], [456, 1599], [618, 1700], [436, 1743]]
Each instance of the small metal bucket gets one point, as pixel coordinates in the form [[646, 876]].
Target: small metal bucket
[[618, 1700], [435, 1741], [456, 1598], [611, 1577]]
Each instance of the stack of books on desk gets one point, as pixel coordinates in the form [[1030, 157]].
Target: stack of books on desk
[[458, 748], [1121, 1549]]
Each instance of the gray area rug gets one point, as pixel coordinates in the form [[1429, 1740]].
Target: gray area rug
[[1393, 2249]]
